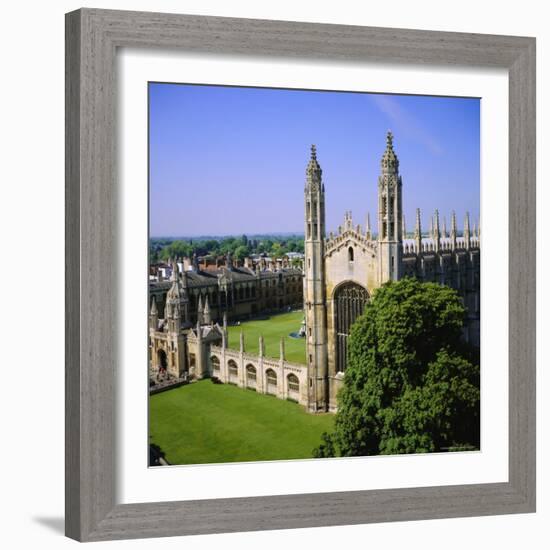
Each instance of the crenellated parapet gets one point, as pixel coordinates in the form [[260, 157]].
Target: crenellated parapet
[[428, 246]]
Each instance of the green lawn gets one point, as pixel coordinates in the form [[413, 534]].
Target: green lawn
[[272, 329], [207, 423]]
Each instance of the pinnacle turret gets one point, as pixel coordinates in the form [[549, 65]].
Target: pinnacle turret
[[389, 163], [418, 232], [368, 232], [436, 235], [241, 342], [313, 171], [206, 319], [453, 230], [199, 311], [467, 231], [153, 314], [154, 310]]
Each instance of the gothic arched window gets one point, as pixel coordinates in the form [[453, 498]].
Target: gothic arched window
[[250, 376], [271, 377], [233, 371], [215, 362], [350, 254], [293, 383], [349, 302]]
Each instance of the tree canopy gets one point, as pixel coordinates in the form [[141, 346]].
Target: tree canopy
[[411, 384], [161, 249]]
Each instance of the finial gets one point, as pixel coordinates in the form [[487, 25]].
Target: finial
[[467, 231], [418, 232], [389, 139], [314, 152], [154, 310], [282, 348], [199, 310], [206, 312], [453, 230], [436, 235], [174, 276]]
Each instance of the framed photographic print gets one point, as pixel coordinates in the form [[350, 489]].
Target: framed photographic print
[[300, 275]]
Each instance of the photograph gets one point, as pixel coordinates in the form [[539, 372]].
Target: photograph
[[314, 274]]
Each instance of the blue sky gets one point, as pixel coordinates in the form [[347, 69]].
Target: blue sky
[[230, 160]]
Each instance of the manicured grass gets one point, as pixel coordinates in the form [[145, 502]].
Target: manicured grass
[[272, 329], [206, 423]]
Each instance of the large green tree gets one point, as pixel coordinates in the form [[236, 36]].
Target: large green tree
[[411, 384]]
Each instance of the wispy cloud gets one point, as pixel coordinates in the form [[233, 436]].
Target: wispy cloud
[[406, 123]]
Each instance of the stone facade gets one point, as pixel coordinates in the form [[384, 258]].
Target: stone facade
[[181, 349], [237, 292], [343, 270]]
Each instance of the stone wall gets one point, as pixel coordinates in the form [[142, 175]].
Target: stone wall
[[277, 377]]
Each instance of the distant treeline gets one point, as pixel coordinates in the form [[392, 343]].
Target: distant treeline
[[163, 248]]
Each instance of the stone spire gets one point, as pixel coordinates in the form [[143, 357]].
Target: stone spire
[[206, 319], [389, 162], [261, 347], [175, 272], [467, 231], [229, 261], [314, 172], [241, 342], [348, 220], [224, 339], [199, 311], [154, 314], [282, 348], [368, 232], [444, 232], [453, 230], [418, 232], [436, 237]]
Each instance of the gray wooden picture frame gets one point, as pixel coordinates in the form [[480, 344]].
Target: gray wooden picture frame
[[92, 39]]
